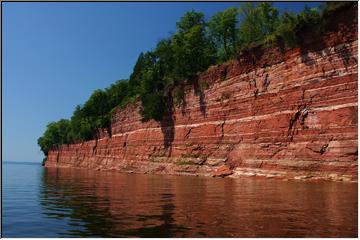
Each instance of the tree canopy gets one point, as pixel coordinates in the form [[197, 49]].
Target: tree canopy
[[222, 28]]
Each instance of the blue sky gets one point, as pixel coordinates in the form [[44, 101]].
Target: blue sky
[[56, 54]]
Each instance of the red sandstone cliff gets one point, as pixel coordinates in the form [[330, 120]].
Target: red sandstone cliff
[[270, 113]]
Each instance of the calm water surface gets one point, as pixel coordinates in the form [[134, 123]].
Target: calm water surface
[[40, 202]]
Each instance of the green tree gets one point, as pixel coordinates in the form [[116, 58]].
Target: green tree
[[222, 27], [193, 52], [75, 125], [165, 60], [152, 90], [259, 23], [269, 18], [309, 18], [117, 93], [286, 30], [95, 114], [190, 20], [55, 135], [328, 8], [134, 82], [292, 27], [96, 105]]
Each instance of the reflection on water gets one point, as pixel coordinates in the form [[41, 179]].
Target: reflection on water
[[116, 205], [72, 203], [110, 205]]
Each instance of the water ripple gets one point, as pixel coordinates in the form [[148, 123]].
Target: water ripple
[[82, 203]]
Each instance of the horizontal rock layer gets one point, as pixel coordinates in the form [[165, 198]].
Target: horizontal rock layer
[[271, 113]]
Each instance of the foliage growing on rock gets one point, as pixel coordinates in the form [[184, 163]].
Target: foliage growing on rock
[[175, 61]]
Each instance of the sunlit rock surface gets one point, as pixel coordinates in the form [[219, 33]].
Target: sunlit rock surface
[[269, 113]]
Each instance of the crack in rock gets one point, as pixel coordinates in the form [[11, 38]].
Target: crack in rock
[[188, 133], [300, 116], [94, 147]]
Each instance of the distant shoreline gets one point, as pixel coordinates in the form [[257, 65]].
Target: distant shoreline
[[24, 163]]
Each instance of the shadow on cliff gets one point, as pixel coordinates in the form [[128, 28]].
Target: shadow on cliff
[[347, 56], [343, 50], [167, 123], [200, 93], [341, 22], [180, 95]]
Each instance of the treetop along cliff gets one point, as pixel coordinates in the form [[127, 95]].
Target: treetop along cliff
[[159, 76]]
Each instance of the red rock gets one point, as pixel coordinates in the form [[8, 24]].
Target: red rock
[[291, 111], [222, 171]]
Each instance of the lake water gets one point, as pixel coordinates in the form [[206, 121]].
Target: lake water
[[40, 202]]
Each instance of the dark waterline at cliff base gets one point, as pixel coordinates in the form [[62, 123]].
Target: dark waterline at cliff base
[[40, 202]]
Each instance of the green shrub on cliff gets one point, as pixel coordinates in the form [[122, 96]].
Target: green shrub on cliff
[[177, 60]]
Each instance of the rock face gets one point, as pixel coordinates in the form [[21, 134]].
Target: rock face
[[270, 113]]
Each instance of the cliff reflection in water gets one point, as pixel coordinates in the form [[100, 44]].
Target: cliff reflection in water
[[107, 204]]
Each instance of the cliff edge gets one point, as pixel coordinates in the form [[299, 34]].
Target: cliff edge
[[269, 113]]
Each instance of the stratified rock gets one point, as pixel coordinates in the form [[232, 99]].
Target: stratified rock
[[291, 113]]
